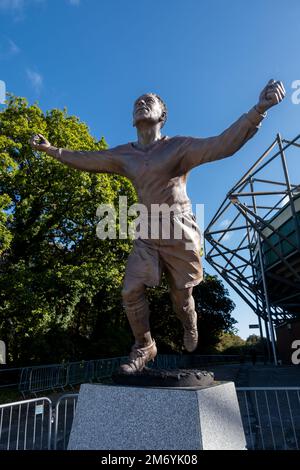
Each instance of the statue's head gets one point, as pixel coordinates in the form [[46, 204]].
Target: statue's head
[[149, 107]]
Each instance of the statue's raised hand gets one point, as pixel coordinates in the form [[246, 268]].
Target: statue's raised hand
[[39, 142], [272, 94]]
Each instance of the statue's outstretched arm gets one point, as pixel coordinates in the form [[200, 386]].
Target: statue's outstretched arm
[[196, 151], [100, 161]]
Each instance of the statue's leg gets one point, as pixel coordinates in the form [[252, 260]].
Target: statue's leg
[[137, 310], [182, 260], [184, 308], [143, 269]]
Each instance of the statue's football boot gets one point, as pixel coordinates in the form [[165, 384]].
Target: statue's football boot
[[138, 358]]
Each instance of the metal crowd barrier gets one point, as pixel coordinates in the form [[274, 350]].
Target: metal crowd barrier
[[173, 361], [270, 416], [77, 373], [64, 414], [26, 425], [41, 378], [55, 377], [166, 361], [37, 379], [104, 368]]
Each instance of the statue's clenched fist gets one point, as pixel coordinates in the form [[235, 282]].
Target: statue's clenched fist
[[272, 94], [39, 142]]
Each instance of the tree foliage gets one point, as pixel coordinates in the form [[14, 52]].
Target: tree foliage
[[253, 340], [229, 343], [59, 283]]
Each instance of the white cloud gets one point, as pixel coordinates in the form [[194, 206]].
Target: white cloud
[[13, 48], [225, 223], [17, 4], [227, 236], [17, 7], [36, 79], [223, 237], [8, 48], [11, 4]]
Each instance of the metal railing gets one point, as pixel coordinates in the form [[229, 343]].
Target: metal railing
[[270, 416], [64, 415], [55, 377], [41, 378], [105, 369], [38, 379], [26, 425]]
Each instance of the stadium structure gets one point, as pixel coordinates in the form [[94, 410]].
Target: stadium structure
[[253, 240]]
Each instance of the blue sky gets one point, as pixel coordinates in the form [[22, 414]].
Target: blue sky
[[207, 59]]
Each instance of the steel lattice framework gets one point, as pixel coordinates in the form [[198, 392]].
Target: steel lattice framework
[[253, 241]]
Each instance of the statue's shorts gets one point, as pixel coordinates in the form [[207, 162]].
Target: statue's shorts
[[175, 251]]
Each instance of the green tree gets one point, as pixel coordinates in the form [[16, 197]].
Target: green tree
[[60, 285], [229, 343], [253, 340]]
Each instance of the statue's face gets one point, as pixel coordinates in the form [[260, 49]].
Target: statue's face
[[147, 108]]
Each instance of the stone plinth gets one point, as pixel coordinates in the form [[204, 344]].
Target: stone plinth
[[138, 418]]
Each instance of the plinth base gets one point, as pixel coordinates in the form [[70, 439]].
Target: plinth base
[[139, 418]]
